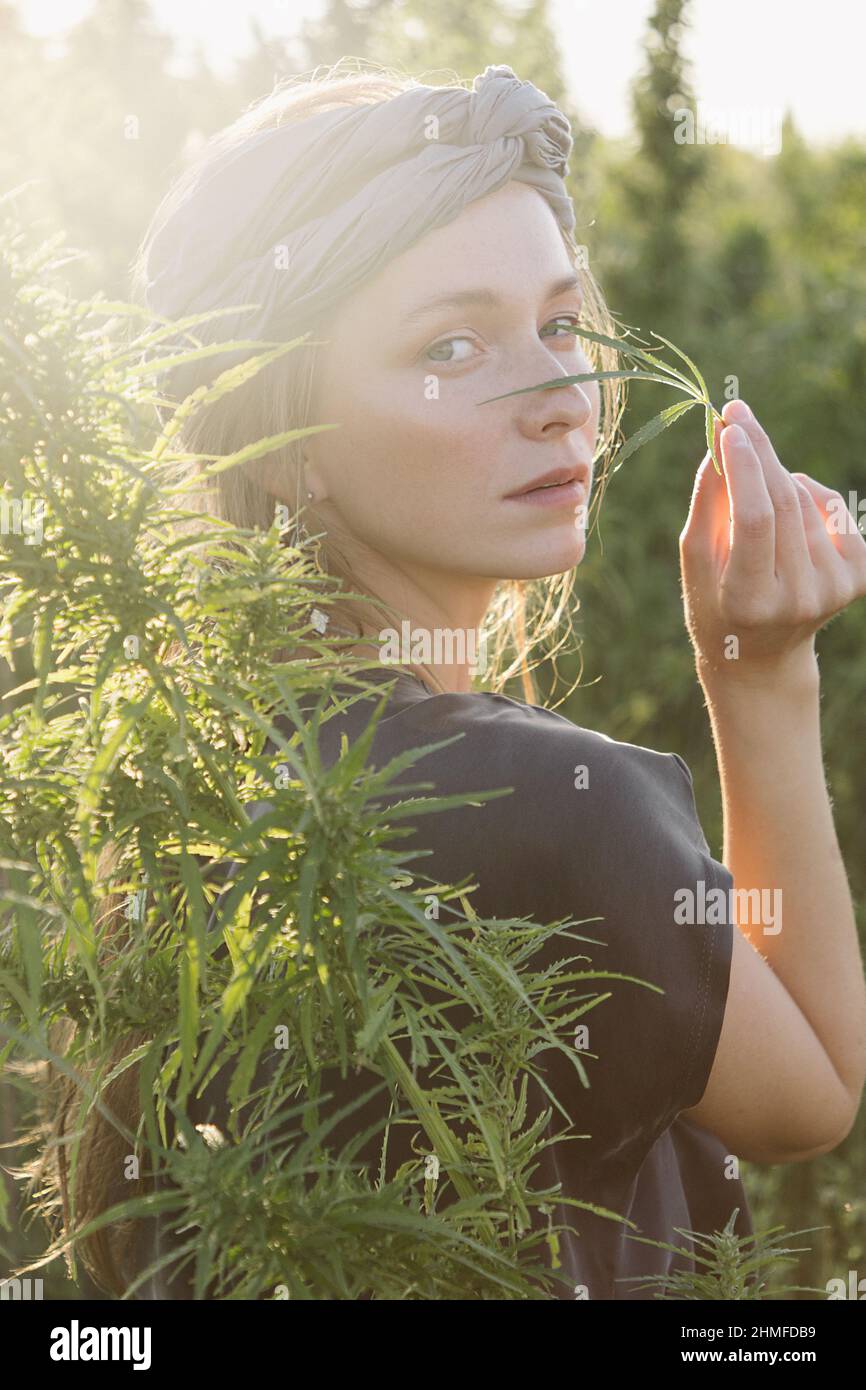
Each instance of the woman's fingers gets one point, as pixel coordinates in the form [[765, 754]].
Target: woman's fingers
[[752, 559], [704, 536], [840, 525], [765, 553], [790, 536], [839, 547], [821, 549]]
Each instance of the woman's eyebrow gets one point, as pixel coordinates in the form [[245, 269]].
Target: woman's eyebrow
[[488, 298]]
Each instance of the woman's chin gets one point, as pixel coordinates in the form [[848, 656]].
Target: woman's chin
[[554, 556]]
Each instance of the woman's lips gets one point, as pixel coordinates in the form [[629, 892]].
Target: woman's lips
[[563, 495]]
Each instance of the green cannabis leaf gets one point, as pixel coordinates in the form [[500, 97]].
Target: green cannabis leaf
[[649, 367], [731, 1267]]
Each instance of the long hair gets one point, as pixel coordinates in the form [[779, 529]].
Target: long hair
[[523, 617]]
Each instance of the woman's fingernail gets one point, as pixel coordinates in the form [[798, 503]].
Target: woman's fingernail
[[737, 437], [740, 411]]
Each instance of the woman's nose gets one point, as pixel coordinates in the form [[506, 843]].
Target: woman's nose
[[569, 406]]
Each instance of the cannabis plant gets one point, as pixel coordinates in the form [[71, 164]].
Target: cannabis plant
[[727, 1267]]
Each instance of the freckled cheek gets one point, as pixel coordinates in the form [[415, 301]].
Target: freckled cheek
[[430, 443], [392, 462], [450, 448]]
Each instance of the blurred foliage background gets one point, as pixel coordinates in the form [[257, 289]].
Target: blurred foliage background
[[755, 265]]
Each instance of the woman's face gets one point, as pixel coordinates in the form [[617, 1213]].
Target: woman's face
[[419, 472]]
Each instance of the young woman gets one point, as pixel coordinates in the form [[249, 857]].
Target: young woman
[[426, 236]]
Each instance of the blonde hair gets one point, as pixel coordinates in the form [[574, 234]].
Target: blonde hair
[[523, 616]]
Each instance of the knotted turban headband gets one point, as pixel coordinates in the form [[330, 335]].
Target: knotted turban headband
[[297, 216]]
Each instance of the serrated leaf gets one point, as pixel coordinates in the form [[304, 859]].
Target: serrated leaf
[[652, 428]]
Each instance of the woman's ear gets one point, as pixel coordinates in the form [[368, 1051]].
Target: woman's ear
[[312, 482], [281, 480]]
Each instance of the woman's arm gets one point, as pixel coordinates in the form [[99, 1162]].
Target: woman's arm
[[762, 571]]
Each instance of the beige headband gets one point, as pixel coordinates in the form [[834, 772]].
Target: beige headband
[[299, 215]]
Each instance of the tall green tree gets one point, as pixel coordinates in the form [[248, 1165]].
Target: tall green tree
[[659, 182]]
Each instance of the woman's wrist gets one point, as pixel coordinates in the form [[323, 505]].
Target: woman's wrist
[[793, 676]]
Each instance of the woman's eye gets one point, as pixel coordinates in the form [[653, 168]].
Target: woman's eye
[[564, 319], [458, 338], [561, 321]]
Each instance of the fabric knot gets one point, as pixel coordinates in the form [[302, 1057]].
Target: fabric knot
[[504, 105]]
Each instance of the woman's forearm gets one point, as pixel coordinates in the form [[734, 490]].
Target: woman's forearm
[[780, 837]]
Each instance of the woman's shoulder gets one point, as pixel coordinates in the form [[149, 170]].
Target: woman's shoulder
[[534, 748], [560, 773], [554, 781]]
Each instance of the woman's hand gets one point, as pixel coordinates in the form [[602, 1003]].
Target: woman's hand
[[767, 558]]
